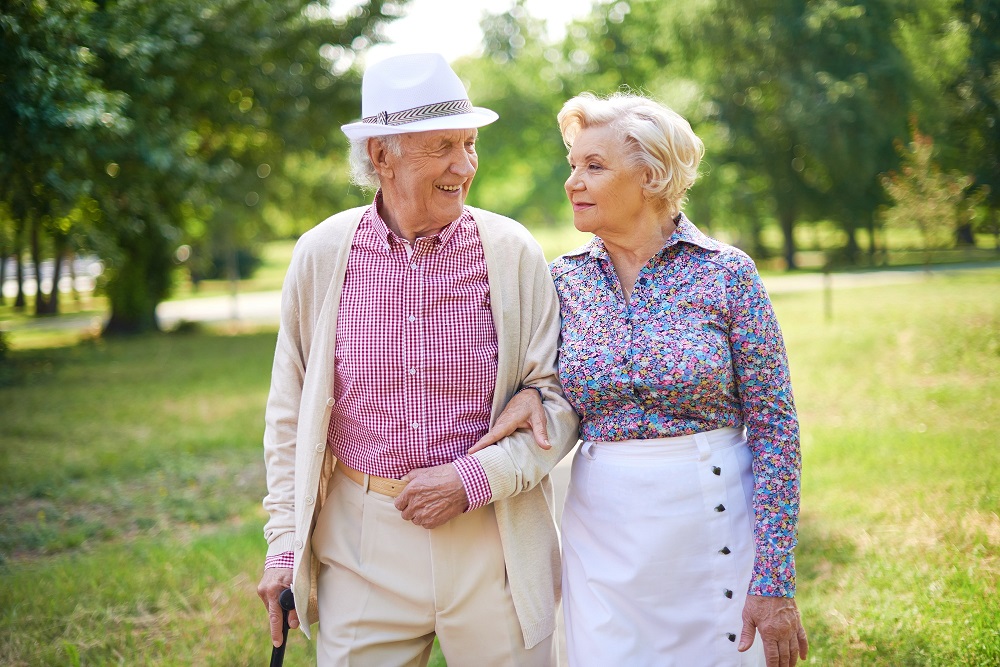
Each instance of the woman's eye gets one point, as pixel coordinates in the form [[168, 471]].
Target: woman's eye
[[594, 167]]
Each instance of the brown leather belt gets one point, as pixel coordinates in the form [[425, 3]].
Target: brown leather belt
[[383, 485]]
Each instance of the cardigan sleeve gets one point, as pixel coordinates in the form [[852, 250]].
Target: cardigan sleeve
[[281, 417], [516, 463]]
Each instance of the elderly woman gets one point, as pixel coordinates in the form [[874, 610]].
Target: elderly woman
[[680, 520]]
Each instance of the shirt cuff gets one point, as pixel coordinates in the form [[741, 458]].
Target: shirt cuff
[[284, 559], [477, 486]]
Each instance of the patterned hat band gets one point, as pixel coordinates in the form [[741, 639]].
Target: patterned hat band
[[453, 108]]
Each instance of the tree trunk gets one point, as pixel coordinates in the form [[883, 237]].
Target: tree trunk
[[872, 244], [139, 281], [43, 301], [19, 300], [851, 248], [58, 252], [3, 273], [786, 216]]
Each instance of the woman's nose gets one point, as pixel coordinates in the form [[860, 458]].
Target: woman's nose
[[572, 183]]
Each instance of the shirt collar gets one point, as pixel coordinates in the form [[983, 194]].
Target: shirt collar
[[386, 236], [686, 232]]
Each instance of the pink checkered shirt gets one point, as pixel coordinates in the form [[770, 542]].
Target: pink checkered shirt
[[416, 356]]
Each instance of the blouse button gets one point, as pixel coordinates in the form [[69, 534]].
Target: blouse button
[[720, 508], [716, 470], [728, 593], [725, 551], [731, 637]]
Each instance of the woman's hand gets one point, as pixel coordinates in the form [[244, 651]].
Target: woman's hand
[[523, 411], [778, 623]]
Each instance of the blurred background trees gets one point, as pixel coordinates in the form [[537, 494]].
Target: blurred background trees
[[192, 130], [136, 127]]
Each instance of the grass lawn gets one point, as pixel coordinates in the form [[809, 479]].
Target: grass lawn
[[131, 476]]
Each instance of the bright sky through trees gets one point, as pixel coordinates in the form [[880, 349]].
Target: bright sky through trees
[[451, 27]]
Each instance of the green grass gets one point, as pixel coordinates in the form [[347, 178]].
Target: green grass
[[131, 476], [900, 534]]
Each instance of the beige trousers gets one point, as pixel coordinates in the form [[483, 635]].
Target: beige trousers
[[387, 587]]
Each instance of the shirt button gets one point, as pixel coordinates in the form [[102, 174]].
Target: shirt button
[[411, 318], [716, 470], [413, 371], [720, 508], [330, 402], [310, 500], [728, 593], [725, 551], [415, 425], [298, 544], [319, 446]]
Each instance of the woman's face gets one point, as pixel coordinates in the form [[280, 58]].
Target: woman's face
[[606, 193]]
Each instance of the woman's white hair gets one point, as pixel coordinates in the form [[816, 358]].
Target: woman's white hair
[[363, 172], [660, 140]]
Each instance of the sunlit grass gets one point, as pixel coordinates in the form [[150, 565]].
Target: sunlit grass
[[898, 397], [131, 475]]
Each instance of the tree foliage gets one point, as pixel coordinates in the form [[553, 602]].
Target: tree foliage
[[136, 127], [178, 115], [926, 197]]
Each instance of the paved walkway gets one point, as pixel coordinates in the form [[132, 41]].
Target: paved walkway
[[264, 307]]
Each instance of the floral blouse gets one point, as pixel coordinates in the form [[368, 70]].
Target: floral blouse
[[697, 348]]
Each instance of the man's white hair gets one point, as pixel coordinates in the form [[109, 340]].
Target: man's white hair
[[363, 172]]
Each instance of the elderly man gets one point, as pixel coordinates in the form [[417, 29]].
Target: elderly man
[[406, 327]]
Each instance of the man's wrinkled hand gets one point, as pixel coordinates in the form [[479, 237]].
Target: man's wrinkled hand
[[433, 496], [274, 581]]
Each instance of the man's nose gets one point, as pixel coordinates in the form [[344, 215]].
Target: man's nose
[[463, 166]]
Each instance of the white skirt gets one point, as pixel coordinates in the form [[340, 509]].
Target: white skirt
[[658, 552]]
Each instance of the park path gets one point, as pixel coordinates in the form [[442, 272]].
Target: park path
[[264, 307]]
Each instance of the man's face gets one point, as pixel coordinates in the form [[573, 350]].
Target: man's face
[[424, 188]]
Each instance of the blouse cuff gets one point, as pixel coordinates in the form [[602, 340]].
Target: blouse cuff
[[774, 576]]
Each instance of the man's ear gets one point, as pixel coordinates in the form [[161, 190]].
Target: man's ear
[[379, 156]]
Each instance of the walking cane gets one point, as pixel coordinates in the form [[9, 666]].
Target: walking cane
[[287, 602]]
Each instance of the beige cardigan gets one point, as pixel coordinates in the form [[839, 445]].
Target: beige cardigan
[[299, 464]]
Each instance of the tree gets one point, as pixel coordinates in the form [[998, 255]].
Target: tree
[[520, 76], [51, 106], [925, 197], [812, 97], [219, 93], [976, 92]]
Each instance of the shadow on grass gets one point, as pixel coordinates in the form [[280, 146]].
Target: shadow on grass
[[820, 553]]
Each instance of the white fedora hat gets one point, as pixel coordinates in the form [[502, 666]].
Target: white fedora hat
[[414, 93]]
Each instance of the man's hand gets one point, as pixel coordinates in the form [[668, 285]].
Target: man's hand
[[433, 496], [274, 581], [524, 410], [778, 623]]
